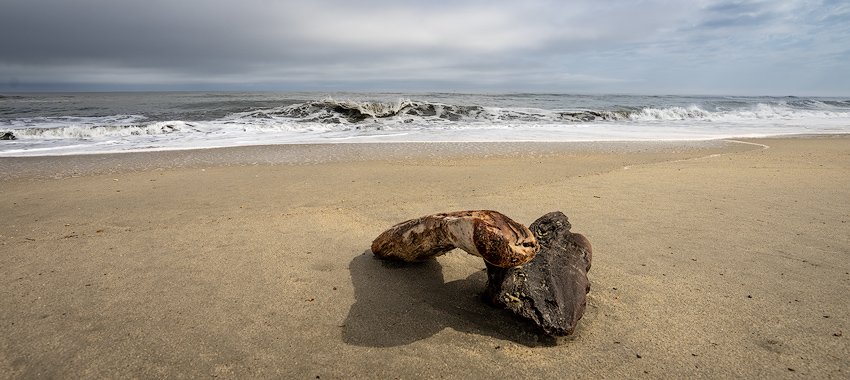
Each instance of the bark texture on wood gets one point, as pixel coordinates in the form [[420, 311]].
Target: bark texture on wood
[[500, 241], [550, 291]]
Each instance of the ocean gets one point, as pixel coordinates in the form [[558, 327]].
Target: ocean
[[87, 123]]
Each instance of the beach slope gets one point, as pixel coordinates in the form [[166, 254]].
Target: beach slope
[[716, 260]]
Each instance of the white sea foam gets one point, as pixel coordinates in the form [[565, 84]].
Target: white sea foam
[[405, 120], [671, 113]]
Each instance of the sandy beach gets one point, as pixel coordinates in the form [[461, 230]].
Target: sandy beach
[[714, 259]]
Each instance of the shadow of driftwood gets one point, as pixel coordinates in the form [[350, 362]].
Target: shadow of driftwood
[[400, 303]]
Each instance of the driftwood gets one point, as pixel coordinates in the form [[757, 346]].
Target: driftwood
[[500, 241], [550, 290]]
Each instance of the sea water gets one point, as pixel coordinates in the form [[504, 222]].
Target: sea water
[[85, 123]]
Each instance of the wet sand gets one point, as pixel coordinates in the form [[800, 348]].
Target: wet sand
[[715, 259]]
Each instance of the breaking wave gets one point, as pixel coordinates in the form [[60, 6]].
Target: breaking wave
[[333, 111], [310, 116], [332, 120]]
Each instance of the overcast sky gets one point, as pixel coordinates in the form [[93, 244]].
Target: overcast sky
[[773, 47]]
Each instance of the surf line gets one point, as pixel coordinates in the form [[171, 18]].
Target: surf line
[[763, 147]]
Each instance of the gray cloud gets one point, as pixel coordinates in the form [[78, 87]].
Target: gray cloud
[[582, 46]]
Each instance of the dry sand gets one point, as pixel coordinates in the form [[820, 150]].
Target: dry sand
[[710, 260]]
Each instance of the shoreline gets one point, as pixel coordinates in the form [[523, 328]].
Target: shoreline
[[63, 166], [443, 142], [726, 260]]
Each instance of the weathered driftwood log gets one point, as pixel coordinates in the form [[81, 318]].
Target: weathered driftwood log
[[500, 241], [550, 290]]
